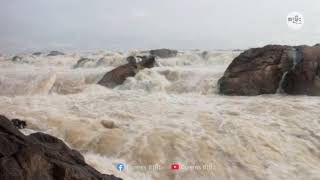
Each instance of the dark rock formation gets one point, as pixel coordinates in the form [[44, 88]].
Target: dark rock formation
[[132, 60], [55, 53], [81, 62], [17, 59], [273, 68], [204, 54], [304, 77], [164, 53], [19, 123], [36, 53], [118, 75], [40, 157]]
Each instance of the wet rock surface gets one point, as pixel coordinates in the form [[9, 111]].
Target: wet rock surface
[[118, 75], [304, 77], [40, 157], [272, 69], [20, 124]]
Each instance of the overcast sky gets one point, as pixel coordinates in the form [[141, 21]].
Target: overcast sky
[[145, 24]]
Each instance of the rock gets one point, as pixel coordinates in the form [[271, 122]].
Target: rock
[[132, 60], [40, 157], [55, 53], [205, 54], [19, 123], [304, 77], [108, 124], [81, 62], [164, 53], [17, 59], [36, 53], [273, 68], [118, 75]]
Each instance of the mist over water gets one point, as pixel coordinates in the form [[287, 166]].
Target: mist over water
[[167, 114]]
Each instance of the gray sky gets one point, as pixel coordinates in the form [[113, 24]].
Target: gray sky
[[144, 24]]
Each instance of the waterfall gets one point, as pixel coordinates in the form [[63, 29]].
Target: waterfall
[[296, 56], [280, 89]]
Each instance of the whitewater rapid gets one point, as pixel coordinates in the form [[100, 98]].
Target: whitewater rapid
[[167, 114]]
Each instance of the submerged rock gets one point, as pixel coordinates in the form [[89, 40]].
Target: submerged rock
[[204, 54], [118, 75], [82, 62], [108, 124], [164, 53], [55, 53], [40, 157], [17, 59], [273, 68]]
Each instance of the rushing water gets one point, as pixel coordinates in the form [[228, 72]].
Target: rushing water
[[167, 114]]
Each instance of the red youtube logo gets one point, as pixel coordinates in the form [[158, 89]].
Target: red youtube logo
[[175, 166]]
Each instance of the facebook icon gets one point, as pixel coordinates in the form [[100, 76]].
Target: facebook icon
[[120, 167]]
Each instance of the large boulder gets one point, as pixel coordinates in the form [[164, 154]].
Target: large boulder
[[272, 69], [118, 75], [40, 157], [164, 53]]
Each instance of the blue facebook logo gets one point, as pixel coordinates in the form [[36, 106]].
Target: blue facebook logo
[[120, 167]]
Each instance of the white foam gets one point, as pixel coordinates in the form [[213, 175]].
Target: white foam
[[164, 115]]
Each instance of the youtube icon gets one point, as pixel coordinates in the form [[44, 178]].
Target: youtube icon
[[175, 166]]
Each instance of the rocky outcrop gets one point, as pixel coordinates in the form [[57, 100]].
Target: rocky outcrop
[[40, 157], [118, 75], [164, 53], [55, 53], [274, 68]]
